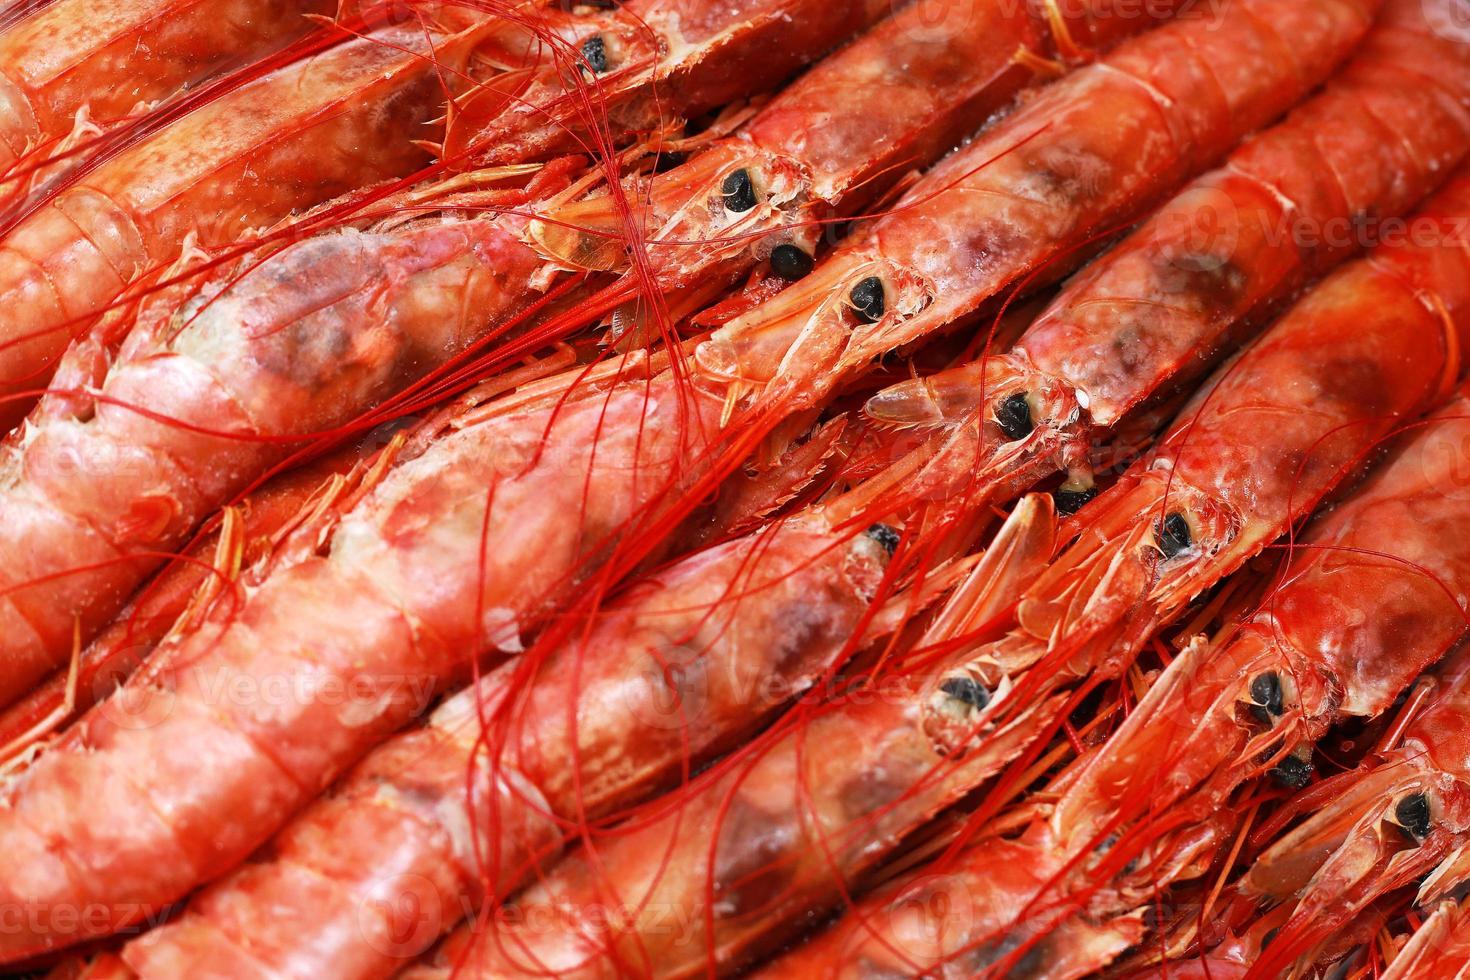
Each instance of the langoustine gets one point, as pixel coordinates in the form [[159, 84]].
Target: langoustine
[[603, 457], [1196, 735]]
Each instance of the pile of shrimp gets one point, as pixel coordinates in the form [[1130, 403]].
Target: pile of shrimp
[[783, 488]]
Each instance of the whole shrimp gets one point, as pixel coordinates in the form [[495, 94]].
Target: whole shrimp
[[304, 133], [1175, 524], [763, 841], [1403, 818], [61, 68], [688, 659], [464, 546], [638, 57], [164, 413], [333, 291], [1205, 270]]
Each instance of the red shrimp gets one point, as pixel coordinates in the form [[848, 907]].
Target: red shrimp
[[1206, 269], [462, 547], [1260, 445], [642, 56], [243, 538], [62, 69], [754, 847], [162, 416], [1402, 818], [687, 660]]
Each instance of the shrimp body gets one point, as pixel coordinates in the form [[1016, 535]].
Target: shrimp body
[[454, 551], [687, 660], [104, 478], [1209, 267], [152, 613], [94, 63]]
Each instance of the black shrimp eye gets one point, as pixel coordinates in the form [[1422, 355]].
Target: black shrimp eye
[[1014, 417], [1173, 534], [867, 300], [1266, 697], [1412, 814], [1293, 773], [1070, 502], [667, 160], [967, 690], [790, 262], [885, 536], [738, 191], [594, 51]]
